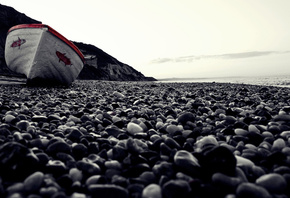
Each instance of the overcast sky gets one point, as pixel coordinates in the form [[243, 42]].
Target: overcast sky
[[177, 38]]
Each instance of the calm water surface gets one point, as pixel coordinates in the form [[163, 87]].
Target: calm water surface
[[281, 81]]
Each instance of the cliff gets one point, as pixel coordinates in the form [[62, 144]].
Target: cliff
[[98, 66]]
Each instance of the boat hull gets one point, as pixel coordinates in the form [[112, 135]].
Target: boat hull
[[43, 55]]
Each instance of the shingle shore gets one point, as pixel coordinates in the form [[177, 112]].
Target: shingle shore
[[144, 139]]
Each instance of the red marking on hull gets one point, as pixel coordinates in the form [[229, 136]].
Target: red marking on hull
[[63, 58], [18, 43]]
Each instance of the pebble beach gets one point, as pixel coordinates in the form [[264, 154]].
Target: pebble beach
[[99, 139]]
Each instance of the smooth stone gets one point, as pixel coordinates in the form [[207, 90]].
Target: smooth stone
[[5, 132], [282, 170], [43, 158], [253, 128], [148, 177], [51, 191], [240, 131], [118, 94], [171, 129], [185, 117], [39, 118], [273, 182], [118, 153], [133, 147], [74, 119], [33, 182], [241, 161], [218, 159], [113, 131], [206, 141], [79, 150], [176, 188], [88, 167], [285, 134], [74, 135], [163, 168], [53, 117], [78, 195], [172, 143], [119, 180], [252, 190], [8, 118], [56, 166], [226, 182], [152, 191], [278, 145], [76, 174], [59, 146], [186, 162], [95, 179], [17, 161], [108, 191], [282, 117], [113, 164], [14, 188], [134, 128], [22, 124], [230, 119]]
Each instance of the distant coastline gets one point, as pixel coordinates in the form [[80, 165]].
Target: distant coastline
[[267, 80]]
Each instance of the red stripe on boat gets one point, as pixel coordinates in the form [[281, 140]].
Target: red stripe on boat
[[54, 32]]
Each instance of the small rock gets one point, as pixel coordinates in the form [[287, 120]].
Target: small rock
[[78, 195], [163, 168], [253, 128], [226, 182], [241, 161], [273, 182], [186, 162], [22, 124], [75, 174], [230, 119], [33, 182], [152, 191], [185, 117], [79, 150], [39, 118], [59, 146], [88, 167], [113, 164], [218, 159], [176, 188], [8, 118], [95, 179], [74, 135], [283, 117], [206, 141], [239, 131], [56, 167], [252, 190], [278, 144], [171, 129], [118, 95], [107, 190], [134, 128]]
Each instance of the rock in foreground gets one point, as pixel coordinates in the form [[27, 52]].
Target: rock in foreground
[[121, 139]]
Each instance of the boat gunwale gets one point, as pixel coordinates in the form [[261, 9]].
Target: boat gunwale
[[54, 32]]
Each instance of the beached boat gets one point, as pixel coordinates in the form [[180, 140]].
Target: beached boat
[[42, 54]]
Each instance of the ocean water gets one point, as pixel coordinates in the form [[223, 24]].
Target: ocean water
[[279, 80]]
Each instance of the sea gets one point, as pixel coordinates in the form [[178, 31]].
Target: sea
[[277, 80]]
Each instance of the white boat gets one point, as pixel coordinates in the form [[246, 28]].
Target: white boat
[[42, 54]]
